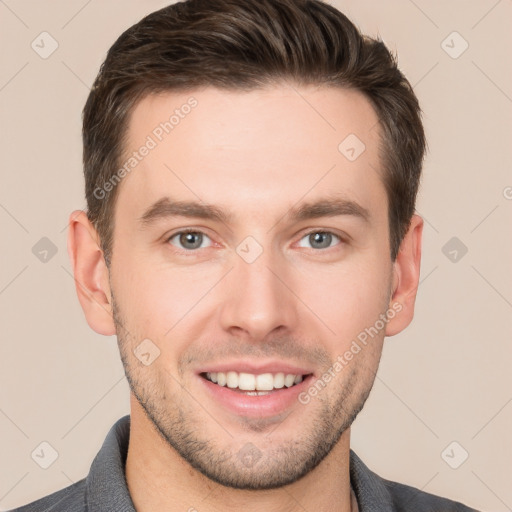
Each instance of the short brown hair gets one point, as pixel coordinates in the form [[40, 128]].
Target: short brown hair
[[243, 45]]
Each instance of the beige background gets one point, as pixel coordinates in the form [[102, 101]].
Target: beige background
[[447, 378]]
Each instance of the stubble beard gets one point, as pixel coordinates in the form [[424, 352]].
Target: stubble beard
[[259, 464]]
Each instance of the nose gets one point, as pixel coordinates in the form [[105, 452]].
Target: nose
[[258, 298]]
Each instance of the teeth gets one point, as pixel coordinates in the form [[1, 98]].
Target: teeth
[[265, 382], [289, 380], [250, 382], [279, 380], [232, 379], [247, 381], [221, 379]]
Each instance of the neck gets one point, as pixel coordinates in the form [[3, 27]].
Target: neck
[[159, 479]]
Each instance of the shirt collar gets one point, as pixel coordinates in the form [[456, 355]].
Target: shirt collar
[[371, 493], [107, 489]]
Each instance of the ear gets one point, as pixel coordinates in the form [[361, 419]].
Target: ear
[[406, 274], [91, 273]]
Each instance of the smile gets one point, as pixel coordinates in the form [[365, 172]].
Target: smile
[[249, 393], [261, 384]]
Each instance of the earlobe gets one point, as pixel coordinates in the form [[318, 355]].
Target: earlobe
[[90, 273], [406, 273]]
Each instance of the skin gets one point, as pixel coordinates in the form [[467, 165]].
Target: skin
[[256, 155]]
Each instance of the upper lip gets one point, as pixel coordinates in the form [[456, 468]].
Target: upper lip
[[256, 368]]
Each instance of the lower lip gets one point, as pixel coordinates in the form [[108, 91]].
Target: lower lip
[[275, 402]]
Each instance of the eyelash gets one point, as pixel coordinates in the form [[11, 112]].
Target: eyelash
[[191, 252]]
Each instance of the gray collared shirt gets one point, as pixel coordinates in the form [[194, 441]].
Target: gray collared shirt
[[105, 489]]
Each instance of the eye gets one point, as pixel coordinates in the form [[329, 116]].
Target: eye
[[190, 240], [319, 240]]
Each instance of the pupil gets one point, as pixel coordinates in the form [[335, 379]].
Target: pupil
[[320, 240], [187, 240]]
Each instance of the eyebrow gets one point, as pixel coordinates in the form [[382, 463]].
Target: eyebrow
[[328, 207], [166, 207]]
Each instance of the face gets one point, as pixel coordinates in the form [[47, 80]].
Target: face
[[251, 251]]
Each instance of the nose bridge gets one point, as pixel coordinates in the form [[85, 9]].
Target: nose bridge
[[257, 300]]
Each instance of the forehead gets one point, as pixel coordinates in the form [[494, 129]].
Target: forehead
[[258, 151]]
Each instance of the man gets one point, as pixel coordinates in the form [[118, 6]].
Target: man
[[251, 172]]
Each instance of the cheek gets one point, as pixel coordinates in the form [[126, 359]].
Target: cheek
[[348, 300], [157, 301]]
